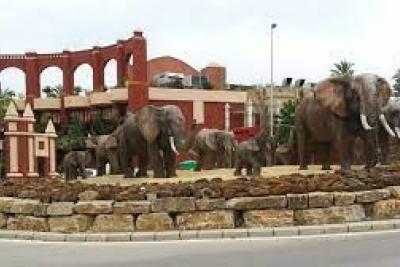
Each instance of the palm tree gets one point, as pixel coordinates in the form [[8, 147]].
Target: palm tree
[[53, 91], [343, 69], [5, 98]]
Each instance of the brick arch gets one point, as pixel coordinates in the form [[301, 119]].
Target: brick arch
[[169, 64], [19, 70]]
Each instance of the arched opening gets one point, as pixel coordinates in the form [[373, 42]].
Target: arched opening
[[51, 82], [110, 74], [83, 79], [13, 81], [129, 63]]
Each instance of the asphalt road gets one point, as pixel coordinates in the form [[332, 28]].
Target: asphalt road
[[356, 250]]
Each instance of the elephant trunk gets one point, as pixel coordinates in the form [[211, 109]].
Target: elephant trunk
[[385, 124], [172, 144]]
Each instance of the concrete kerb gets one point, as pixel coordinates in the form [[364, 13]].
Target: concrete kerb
[[276, 232]]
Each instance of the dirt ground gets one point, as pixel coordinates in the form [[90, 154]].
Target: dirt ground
[[224, 174]]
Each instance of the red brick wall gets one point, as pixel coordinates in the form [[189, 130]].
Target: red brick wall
[[216, 77], [168, 64]]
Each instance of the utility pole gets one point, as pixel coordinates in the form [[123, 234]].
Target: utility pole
[[273, 26]]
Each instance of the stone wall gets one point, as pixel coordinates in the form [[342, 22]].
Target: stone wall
[[198, 214]]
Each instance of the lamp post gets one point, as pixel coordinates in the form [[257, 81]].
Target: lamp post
[[273, 26]]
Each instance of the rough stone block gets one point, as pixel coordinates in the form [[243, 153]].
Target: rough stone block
[[372, 195], [383, 209], [344, 198], [329, 215], [218, 219], [70, 224], [88, 195], [297, 201], [60, 209], [173, 204], [94, 207], [268, 218], [252, 203], [3, 220], [24, 235], [25, 206], [6, 203], [394, 191], [154, 222], [54, 237], [320, 199], [132, 207], [206, 204], [113, 223], [27, 223]]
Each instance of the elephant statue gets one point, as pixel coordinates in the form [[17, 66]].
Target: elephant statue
[[162, 129], [212, 146], [339, 110], [251, 154], [75, 162], [106, 150]]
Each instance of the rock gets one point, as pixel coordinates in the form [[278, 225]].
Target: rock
[[6, 203], [372, 195], [88, 195], [252, 203], [210, 204], [297, 201], [268, 218], [320, 199], [394, 191], [94, 207], [219, 219], [173, 204], [335, 214], [132, 207], [154, 222], [3, 220], [70, 224], [344, 198], [60, 208], [113, 223], [27, 223], [383, 209], [26, 206], [41, 211]]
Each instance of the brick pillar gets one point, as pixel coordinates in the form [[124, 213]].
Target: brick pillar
[[121, 64], [68, 85], [32, 77], [138, 88], [28, 159], [98, 70]]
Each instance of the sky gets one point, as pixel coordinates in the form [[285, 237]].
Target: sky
[[310, 37]]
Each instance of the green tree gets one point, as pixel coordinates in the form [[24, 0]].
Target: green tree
[[343, 69], [72, 137], [53, 91], [396, 85], [5, 99], [286, 122]]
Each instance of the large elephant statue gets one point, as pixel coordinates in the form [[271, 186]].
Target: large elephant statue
[[75, 162], [340, 110], [251, 154], [106, 150], [163, 130], [212, 147]]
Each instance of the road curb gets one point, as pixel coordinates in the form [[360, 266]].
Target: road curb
[[241, 233]]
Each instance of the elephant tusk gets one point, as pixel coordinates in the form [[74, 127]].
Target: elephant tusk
[[364, 122], [386, 125], [397, 130], [172, 143]]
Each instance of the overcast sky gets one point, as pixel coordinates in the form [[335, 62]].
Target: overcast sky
[[311, 34]]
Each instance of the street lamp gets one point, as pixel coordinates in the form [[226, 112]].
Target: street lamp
[[273, 26]]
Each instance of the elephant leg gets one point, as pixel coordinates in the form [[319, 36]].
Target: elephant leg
[[100, 167], [143, 162], [170, 163], [157, 161], [345, 151], [302, 149], [200, 162], [384, 146], [238, 167], [326, 156], [370, 146]]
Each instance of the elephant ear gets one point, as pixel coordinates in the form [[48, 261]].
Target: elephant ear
[[252, 145], [384, 91], [330, 93], [91, 142], [148, 121], [111, 142]]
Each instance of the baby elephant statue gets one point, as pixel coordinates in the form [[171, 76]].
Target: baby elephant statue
[[251, 154], [74, 164]]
